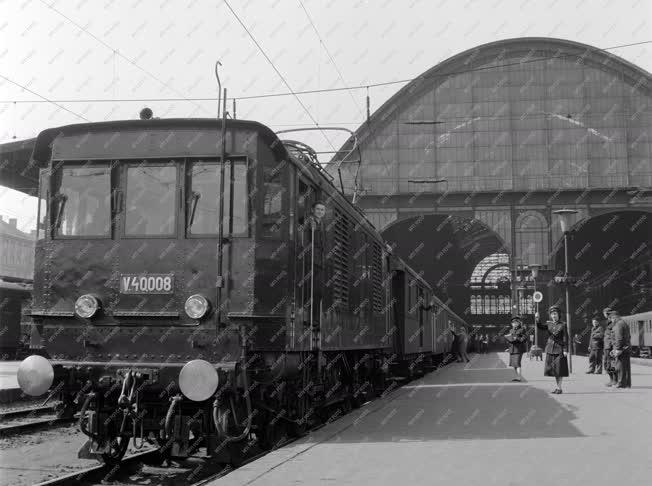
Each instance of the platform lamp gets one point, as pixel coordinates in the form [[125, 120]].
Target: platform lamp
[[534, 271], [564, 220]]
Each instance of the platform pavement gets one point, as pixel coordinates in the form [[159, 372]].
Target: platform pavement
[[9, 390], [468, 424]]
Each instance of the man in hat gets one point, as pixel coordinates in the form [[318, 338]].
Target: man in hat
[[608, 347], [621, 350], [596, 345]]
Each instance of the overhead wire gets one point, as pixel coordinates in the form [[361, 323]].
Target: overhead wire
[[323, 90], [118, 53], [262, 51]]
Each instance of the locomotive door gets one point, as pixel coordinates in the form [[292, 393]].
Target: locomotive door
[[308, 268]]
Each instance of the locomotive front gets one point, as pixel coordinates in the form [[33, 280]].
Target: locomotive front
[[137, 275]]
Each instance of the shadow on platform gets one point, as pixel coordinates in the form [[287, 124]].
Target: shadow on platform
[[476, 400]]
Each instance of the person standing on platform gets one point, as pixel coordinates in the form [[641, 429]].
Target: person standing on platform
[[621, 351], [608, 347], [596, 346], [455, 345], [517, 339], [556, 363], [463, 344]]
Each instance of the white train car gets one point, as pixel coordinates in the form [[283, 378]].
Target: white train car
[[640, 327]]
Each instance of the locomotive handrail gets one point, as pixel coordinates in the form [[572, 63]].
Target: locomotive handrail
[[313, 154]]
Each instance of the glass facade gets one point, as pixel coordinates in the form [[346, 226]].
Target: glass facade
[[490, 286], [505, 125]]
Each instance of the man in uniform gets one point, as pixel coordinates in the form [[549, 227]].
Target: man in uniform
[[596, 345], [315, 238], [608, 346], [621, 350]]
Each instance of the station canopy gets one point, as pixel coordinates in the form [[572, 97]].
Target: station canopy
[[17, 170]]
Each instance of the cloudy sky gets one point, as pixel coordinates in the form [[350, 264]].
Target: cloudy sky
[[60, 61]]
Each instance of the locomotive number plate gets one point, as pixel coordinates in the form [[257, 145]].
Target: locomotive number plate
[[151, 283]]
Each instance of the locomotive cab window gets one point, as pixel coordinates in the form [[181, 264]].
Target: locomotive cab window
[[203, 198], [82, 200], [151, 200]]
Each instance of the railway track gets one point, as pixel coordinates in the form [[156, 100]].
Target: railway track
[[196, 471], [24, 412], [25, 420]]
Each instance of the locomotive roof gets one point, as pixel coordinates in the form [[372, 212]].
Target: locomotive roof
[[43, 145], [46, 137]]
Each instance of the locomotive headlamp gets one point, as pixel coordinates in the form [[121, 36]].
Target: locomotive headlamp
[[35, 375], [196, 306], [198, 380], [87, 306]]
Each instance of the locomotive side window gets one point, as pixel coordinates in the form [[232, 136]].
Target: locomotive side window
[[274, 213], [82, 202], [150, 202], [44, 178], [203, 202]]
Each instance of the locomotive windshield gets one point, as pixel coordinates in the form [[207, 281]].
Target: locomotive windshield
[[82, 195], [150, 200], [146, 198], [204, 202]]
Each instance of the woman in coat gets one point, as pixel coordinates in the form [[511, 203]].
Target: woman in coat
[[556, 347], [517, 339]]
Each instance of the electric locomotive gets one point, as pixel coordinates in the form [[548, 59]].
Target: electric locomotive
[[175, 292]]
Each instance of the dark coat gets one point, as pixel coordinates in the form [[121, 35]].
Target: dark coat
[[621, 336], [596, 341], [609, 336], [557, 339], [517, 340]]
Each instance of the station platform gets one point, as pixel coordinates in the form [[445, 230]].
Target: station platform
[[468, 424], [9, 389]]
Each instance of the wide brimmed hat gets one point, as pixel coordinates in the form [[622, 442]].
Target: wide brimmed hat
[[518, 319], [554, 308], [606, 310]]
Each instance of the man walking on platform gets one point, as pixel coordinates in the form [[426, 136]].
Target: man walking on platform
[[608, 347], [621, 352], [596, 345]]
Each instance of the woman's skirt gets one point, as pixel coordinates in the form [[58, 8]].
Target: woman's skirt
[[555, 365], [515, 360]]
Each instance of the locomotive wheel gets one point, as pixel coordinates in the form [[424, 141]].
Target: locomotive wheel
[[116, 452], [297, 430], [272, 435], [161, 455]]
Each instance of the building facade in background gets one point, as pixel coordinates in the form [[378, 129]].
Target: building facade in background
[[16, 251], [514, 130]]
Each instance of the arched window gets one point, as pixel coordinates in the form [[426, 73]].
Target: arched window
[[532, 238], [490, 284]]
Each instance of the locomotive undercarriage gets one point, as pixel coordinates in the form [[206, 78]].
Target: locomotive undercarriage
[[260, 409]]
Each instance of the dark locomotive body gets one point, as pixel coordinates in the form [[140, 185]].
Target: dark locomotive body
[[132, 226]]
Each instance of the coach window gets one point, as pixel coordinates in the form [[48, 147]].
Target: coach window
[[82, 203], [150, 201], [203, 203]]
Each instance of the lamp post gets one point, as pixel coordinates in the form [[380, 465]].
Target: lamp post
[[564, 216], [534, 271]]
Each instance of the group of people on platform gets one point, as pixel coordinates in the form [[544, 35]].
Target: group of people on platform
[[609, 348]]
